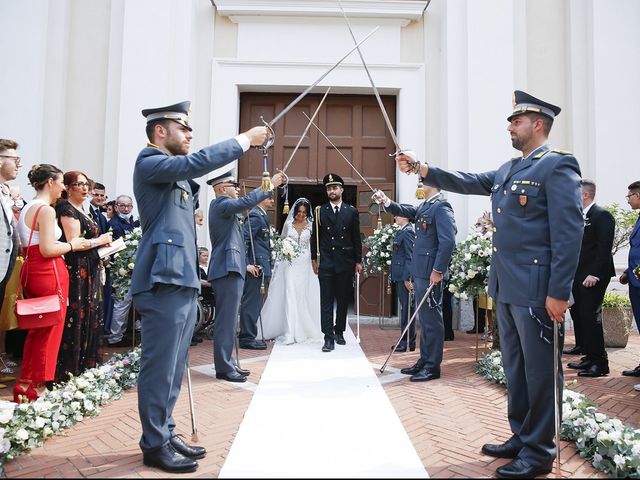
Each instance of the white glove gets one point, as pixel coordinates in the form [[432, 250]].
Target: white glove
[[380, 198]]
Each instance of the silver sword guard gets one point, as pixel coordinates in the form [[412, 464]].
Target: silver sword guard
[[272, 135]]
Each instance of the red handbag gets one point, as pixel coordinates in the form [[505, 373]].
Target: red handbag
[[38, 312]]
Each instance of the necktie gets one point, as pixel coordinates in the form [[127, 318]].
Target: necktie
[[337, 209]]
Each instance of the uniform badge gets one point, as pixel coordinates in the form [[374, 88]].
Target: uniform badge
[[185, 196], [523, 200], [425, 226]]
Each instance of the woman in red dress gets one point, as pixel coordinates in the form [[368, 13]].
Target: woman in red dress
[[39, 234]]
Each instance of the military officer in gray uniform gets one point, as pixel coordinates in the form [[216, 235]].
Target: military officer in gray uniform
[[165, 282], [228, 266], [537, 234], [401, 276], [257, 239], [435, 241]]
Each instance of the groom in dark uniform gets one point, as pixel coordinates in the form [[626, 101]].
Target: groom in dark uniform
[[336, 253]]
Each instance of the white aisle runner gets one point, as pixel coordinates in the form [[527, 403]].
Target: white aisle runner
[[317, 414]]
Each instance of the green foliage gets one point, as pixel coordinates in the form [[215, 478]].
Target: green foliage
[[625, 221], [616, 300]]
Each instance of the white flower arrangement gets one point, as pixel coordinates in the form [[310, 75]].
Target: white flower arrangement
[[26, 426], [609, 444], [470, 262], [283, 248], [380, 249], [122, 264]]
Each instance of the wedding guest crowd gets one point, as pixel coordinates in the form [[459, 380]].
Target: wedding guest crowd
[[58, 233]]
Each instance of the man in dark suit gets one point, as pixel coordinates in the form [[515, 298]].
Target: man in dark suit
[[98, 197], [336, 255], [401, 276], [228, 266], [595, 269], [435, 241], [257, 239], [537, 232], [165, 283], [628, 277], [9, 166]]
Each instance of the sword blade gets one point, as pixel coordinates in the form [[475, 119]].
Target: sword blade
[[308, 89], [305, 131], [339, 152], [373, 85]]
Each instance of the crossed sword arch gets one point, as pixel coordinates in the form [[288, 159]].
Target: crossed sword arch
[[265, 185]]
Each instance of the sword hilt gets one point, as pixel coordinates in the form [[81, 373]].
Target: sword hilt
[[272, 135]]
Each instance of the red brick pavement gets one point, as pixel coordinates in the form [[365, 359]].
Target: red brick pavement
[[447, 420]]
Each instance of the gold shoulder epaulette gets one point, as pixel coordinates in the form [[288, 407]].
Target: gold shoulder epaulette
[[562, 152]]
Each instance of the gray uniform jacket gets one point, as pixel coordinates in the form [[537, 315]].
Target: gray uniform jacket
[[166, 199], [228, 251], [435, 235], [260, 236], [538, 224], [402, 253]]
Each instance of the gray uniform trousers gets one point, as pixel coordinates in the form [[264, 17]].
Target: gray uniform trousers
[[251, 306], [168, 315], [431, 324], [528, 366], [227, 291]]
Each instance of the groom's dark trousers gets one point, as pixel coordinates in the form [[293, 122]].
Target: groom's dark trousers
[[337, 252]]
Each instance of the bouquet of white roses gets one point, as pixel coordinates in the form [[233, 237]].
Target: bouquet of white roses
[[470, 262], [122, 263], [380, 245], [283, 248]]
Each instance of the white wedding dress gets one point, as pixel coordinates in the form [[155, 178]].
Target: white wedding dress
[[291, 312]]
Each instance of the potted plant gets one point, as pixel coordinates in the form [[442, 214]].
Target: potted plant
[[616, 319]]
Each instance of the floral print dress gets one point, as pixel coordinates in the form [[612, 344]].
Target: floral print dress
[[81, 346]]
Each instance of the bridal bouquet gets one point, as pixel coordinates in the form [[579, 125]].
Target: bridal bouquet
[[470, 262], [283, 248], [122, 263], [380, 245], [636, 272]]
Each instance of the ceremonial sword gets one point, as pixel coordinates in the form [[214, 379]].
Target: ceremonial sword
[[285, 186], [373, 85], [275, 120]]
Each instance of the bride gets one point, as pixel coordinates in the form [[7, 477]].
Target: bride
[[291, 312]]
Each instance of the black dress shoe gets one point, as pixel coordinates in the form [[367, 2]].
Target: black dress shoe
[[577, 350], [340, 339], [448, 338], [254, 346], [328, 345], [412, 348], [243, 372], [168, 459], [425, 375], [231, 377], [581, 365], [518, 468], [401, 348], [504, 450], [419, 365], [595, 371], [190, 451], [632, 373], [473, 330]]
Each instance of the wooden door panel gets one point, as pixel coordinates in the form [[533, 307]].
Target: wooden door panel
[[356, 126]]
